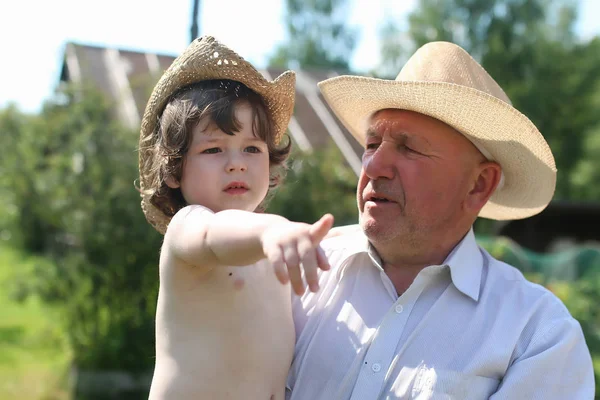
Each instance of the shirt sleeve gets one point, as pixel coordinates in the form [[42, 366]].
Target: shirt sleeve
[[555, 365]]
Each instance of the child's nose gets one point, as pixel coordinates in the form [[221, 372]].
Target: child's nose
[[236, 163]]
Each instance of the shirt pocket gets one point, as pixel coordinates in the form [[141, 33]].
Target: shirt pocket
[[445, 384]]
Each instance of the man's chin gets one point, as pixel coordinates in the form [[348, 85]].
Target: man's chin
[[377, 229], [370, 226]]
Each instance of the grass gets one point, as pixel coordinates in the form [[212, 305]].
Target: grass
[[34, 355]]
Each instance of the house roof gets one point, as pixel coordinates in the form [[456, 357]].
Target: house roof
[[127, 77]]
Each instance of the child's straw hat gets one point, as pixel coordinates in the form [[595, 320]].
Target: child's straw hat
[[205, 59]]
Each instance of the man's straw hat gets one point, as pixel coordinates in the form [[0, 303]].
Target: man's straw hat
[[443, 81], [205, 59]]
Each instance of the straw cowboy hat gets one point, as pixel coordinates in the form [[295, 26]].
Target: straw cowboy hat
[[205, 59], [443, 81]]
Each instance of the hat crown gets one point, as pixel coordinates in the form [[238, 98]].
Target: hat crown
[[206, 51], [448, 63]]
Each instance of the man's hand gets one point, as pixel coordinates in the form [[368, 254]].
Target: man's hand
[[287, 245]]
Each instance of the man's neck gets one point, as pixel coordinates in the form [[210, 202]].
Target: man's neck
[[402, 278], [402, 269]]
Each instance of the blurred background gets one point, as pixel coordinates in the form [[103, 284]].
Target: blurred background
[[78, 262]]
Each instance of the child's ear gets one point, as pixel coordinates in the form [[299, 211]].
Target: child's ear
[[172, 182]]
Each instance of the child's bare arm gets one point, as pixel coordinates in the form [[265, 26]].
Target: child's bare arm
[[237, 238], [185, 238], [205, 239]]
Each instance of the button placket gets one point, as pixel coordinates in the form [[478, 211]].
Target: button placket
[[380, 353], [384, 344]]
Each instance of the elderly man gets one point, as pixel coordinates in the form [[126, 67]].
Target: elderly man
[[412, 308]]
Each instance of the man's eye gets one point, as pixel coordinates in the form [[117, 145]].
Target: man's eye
[[253, 149], [212, 150], [372, 145], [406, 148]]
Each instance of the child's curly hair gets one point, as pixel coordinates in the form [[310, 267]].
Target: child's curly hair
[[216, 100]]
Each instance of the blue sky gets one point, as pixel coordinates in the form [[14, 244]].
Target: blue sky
[[33, 33]]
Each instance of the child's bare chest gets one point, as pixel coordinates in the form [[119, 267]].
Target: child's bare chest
[[234, 323]]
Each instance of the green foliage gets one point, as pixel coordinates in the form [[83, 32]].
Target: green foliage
[[19, 163], [586, 172], [317, 183], [317, 36], [34, 352], [76, 204], [569, 264], [506, 250]]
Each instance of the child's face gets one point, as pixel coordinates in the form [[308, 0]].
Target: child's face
[[222, 171]]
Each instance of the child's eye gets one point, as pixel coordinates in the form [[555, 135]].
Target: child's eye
[[212, 150], [253, 149]]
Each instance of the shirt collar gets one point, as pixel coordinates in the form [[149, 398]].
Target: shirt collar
[[465, 261]]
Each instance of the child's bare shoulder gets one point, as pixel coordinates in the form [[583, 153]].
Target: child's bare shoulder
[[190, 214], [184, 242]]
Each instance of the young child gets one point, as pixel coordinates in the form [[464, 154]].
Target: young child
[[210, 148]]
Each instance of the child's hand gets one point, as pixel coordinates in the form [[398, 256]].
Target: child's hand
[[342, 230], [293, 243]]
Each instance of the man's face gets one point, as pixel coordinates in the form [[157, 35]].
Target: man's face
[[416, 174]]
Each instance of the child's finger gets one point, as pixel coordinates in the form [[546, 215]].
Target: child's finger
[[292, 260], [309, 263], [322, 259], [275, 257], [319, 229]]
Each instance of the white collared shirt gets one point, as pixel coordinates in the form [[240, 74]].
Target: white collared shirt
[[472, 328]]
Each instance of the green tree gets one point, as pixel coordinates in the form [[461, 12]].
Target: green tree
[[317, 183], [320, 181], [77, 205], [15, 171], [586, 174], [318, 36]]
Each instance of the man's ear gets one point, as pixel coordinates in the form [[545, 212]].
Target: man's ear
[[172, 182], [487, 179]]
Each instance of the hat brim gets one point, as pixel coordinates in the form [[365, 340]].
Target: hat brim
[[509, 136]]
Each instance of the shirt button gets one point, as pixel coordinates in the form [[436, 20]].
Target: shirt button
[[399, 309], [376, 367]]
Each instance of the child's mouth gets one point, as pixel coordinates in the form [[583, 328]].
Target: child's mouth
[[236, 188], [236, 191]]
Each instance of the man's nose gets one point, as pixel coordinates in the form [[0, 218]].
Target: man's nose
[[379, 164]]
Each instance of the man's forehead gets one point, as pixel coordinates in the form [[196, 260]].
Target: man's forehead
[[387, 122], [409, 123]]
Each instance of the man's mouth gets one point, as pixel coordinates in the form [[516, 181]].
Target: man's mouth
[[379, 200]]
